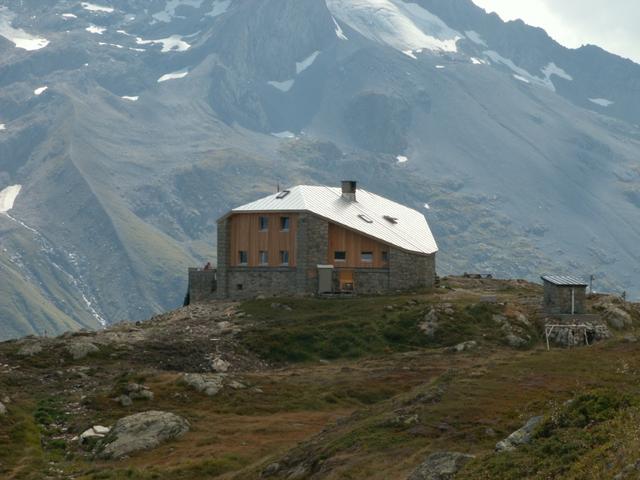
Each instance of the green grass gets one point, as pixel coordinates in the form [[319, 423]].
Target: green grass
[[332, 329], [211, 468]]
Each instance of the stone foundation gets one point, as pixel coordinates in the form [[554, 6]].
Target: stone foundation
[[246, 282], [202, 285]]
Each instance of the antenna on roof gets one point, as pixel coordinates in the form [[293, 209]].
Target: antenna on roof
[[278, 187]]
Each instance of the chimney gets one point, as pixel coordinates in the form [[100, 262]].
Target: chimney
[[349, 190]]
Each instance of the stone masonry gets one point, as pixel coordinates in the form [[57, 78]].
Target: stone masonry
[[223, 258], [202, 285], [407, 270], [312, 240], [557, 299]]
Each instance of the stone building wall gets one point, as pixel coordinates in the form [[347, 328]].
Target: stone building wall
[[246, 282], [557, 299], [312, 240], [408, 270], [366, 280], [224, 246], [202, 285]]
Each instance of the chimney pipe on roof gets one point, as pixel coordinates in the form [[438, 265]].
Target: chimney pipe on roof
[[349, 190]]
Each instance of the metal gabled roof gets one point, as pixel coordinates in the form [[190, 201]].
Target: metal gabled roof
[[564, 280], [406, 228]]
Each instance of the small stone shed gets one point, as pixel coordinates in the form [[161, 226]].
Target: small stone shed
[[564, 295]]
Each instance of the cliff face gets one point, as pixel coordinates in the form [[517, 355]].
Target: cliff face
[[157, 117]]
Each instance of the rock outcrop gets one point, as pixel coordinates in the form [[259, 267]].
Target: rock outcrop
[[80, 349], [441, 466], [209, 384], [141, 431], [522, 436]]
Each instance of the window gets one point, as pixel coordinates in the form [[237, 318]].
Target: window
[[385, 256], [284, 224], [340, 256], [243, 258], [282, 194], [366, 257], [284, 257], [264, 224], [264, 257], [362, 216], [239, 286]]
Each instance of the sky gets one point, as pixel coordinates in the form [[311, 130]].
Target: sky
[[610, 24]]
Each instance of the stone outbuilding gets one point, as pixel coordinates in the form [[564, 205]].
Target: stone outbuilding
[[564, 295], [319, 240]]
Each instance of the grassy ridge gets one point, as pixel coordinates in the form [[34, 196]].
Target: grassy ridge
[[300, 330]]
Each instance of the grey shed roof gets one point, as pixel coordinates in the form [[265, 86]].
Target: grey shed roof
[[564, 280], [371, 214]]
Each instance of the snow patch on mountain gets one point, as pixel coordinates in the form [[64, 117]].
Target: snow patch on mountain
[[307, 62], [174, 43], [403, 26], [284, 86], [131, 99], [285, 134], [95, 29], [475, 38], [548, 71], [173, 76], [2, 126], [522, 79], [219, 7], [8, 197], [17, 36], [402, 159], [92, 7], [478, 61], [169, 12], [553, 69], [603, 102], [69, 15], [40, 90], [339, 33], [110, 44]]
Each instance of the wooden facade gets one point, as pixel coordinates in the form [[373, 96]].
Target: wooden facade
[[354, 245], [247, 236]]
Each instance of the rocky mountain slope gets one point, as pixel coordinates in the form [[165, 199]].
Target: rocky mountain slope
[[402, 387], [131, 126]]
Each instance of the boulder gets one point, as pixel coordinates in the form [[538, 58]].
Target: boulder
[[522, 319], [142, 431], [124, 400], [220, 365], [515, 341], [94, 433], [617, 318], [210, 384], [136, 391], [521, 436], [79, 350], [429, 325], [30, 349], [440, 466], [464, 346]]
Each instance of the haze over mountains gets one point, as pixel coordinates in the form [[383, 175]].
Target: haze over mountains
[[127, 127]]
